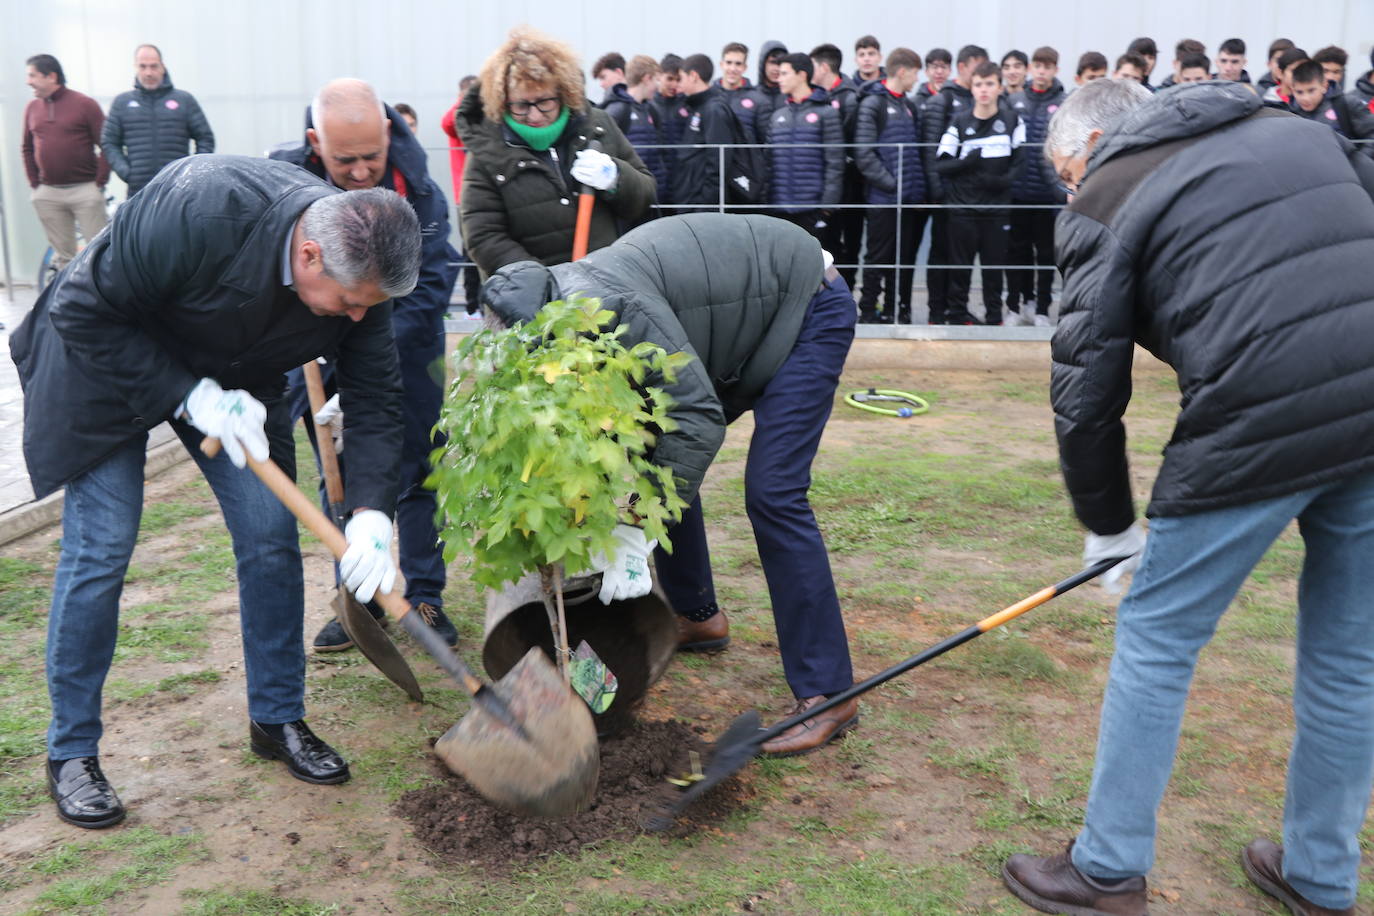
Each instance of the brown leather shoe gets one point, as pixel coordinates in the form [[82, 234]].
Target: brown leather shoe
[[806, 736], [705, 636], [1263, 862], [1054, 885]]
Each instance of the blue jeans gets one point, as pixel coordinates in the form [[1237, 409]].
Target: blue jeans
[[100, 518], [789, 418], [1191, 570]]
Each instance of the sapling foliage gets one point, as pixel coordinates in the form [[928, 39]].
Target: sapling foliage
[[549, 426]]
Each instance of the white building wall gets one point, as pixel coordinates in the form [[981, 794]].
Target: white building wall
[[254, 64]]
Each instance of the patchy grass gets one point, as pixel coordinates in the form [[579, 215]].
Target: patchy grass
[[933, 524]]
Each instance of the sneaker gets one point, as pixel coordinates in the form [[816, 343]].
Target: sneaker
[[1263, 863], [1028, 312], [1012, 319], [1054, 885], [438, 621], [1042, 321]]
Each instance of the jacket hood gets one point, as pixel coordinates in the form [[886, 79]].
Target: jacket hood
[[518, 291], [164, 86], [404, 152], [873, 87], [953, 88], [1185, 110], [620, 93], [768, 47], [1056, 89], [1365, 84]]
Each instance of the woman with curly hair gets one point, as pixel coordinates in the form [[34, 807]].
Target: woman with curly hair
[[532, 143]]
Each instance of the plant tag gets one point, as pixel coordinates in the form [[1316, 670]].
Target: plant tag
[[591, 679]]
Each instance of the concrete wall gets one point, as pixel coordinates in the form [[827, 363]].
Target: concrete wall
[[254, 64]]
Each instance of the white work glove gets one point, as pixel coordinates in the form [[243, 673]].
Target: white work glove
[[331, 415], [366, 566], [626, 574], [234, 417], [595, 169], [1129, 543]]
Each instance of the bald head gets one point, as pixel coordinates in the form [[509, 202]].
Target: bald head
[[350, 133]]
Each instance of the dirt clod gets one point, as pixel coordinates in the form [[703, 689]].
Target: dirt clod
[[460, 826]]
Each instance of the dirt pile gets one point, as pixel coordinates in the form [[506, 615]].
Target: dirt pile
[[459, 825]]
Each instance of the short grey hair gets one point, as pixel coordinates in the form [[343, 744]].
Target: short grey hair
[[369, 236], [1097, 106], [352, 98]]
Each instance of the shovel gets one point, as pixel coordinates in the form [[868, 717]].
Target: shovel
[[528, 743], [582, 229], [365, 631], [743, 739]]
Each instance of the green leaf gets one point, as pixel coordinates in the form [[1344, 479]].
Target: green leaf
[[547, 426]]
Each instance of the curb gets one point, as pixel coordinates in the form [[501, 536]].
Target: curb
[[33, 516]]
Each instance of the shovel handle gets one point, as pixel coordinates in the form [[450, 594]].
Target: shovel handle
[[324, 436], [992, 621], [582, 230], [392, 602]]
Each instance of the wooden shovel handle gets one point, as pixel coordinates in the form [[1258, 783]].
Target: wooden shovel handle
[[324, 436], [312, 518]]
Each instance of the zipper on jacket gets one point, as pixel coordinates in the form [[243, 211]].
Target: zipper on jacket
[[558, 169]]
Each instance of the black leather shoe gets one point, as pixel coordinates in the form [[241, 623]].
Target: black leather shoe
[[306, 756], [84, 796]]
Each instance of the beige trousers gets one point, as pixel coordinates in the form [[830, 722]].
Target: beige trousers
[[60, 209]]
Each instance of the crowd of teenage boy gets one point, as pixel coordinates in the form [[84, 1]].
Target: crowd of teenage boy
[[868, 161]]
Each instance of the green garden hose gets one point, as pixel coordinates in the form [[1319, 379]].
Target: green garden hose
[[911, 405]]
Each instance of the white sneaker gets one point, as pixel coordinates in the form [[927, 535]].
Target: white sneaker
[[1011, 319], [1028, 312], [1043, 321]]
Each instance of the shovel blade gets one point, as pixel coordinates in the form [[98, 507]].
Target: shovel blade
[[553, 770], [367, 634]]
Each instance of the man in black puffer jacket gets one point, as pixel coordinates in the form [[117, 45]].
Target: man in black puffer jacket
[[630, 106], [769, 326], [1360, 103], [806, 158], [1032, 231], [709, 122], [893, 175], [1274, 368], [361, 143], [152, 124]]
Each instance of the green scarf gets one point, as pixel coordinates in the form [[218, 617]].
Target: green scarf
[[540, 138]]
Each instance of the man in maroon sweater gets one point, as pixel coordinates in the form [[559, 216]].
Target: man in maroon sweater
[[61, 149]]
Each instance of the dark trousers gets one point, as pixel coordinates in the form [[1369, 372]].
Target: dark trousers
[[810, 221], [984, 235], [937, 274], [1032, 244], [789, 418], [893, 284], [421, 553], [851, 227], [472, 285]]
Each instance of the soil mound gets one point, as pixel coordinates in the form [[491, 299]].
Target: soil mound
[[460, 826]]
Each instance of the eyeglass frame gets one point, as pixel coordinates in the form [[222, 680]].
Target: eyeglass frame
[[547, 105]]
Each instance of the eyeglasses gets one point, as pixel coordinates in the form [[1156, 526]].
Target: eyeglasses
[[520, 108]]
